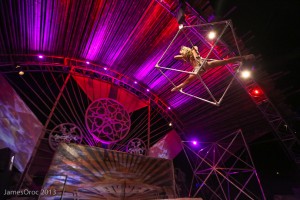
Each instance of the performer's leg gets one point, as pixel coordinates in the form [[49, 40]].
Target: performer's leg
[[184, 83]]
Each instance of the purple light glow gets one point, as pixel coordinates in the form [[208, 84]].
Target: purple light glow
[[96, 41], [135, 82], [176, 101], [145, 70], [105, 68], [87, 62], [169, 108], [148, 90], [194, 142], [40, 56]]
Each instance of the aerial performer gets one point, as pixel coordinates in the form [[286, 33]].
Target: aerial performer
[[201, 65]]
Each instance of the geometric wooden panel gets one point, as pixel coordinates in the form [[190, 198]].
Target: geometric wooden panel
[[84, 172], [107, 120]]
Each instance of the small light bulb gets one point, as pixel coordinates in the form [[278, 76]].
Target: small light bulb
[[211, 35], [245, 74]]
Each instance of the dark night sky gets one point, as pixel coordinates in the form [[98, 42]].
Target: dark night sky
[[269, 30]]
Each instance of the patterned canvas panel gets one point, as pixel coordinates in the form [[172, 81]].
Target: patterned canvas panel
[[168, 147], [86, 172], [19, 127]]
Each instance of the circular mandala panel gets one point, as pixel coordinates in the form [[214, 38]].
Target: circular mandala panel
[[67, 133], [107, 120], [136, 146]]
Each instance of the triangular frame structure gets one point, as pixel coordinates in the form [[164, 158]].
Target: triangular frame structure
[[215, 101], [224, 169]]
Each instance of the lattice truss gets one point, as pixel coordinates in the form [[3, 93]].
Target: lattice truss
[[75, 107], [223, 169], [71, 114], [211, 86], [107, 120]]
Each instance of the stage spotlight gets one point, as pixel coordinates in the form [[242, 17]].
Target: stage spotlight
[[40, 56], [256, 92], [105, 68], [169, 108], [194, 143], [170, 124], [135, 82], [211, 35], [148, 90], [180, 26], [87, 62], [21, 73], [245, 74]]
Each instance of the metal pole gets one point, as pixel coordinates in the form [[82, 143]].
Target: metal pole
[[25, 173], [62, 193], [149, 131], [252, 162]]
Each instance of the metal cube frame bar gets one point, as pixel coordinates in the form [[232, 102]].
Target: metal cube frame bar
[[214, 100], [213, 167]]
